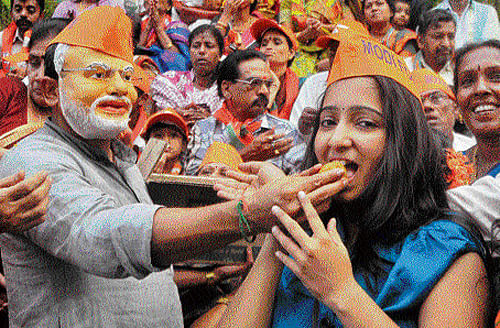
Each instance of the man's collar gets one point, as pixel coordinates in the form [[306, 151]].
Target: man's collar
[[419, 57], [18, 37], [447, 5]]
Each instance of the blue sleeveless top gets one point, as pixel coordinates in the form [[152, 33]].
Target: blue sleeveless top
[[411, 269]]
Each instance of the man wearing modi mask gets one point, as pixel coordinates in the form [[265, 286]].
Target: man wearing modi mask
[[103, 256]]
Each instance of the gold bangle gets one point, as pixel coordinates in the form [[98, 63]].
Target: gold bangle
[[210, 277], [223, 300]]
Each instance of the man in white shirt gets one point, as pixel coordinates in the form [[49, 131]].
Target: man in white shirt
[[436, 40], [475, 21]]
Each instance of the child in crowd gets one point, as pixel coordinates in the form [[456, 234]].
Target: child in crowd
[[170, 127], [402, 12]]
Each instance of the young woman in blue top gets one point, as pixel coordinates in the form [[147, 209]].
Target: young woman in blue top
[[385, 253]]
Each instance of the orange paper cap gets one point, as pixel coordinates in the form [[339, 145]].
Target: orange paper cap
[[103, 28], [168, 116], [345, 29], [222, 153], [262, 25], [17, 58], [363, 56], [427, 80]]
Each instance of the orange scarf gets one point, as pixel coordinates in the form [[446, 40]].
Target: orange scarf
[[8, 38], [291, 85], [243, 131]]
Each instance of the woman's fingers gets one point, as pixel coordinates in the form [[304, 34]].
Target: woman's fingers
[[333, 232], [289, 263], [312, 216], [289, 245], [292, 226]]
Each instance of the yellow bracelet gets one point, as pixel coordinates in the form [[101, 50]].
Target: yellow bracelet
[[223, 300]]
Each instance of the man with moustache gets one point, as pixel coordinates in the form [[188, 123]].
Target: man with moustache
[[436, 40], [103, 256], [476, 20], [23, 113], [244, 79], [16, 36]]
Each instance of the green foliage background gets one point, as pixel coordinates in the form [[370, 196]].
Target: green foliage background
[[50, 5]]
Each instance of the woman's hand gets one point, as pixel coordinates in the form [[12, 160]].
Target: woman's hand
[[320, 261]]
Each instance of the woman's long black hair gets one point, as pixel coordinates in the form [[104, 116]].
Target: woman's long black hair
[[408, 189]]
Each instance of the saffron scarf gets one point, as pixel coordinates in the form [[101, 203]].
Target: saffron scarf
[[240, 133], [9, 33], [291, 85]]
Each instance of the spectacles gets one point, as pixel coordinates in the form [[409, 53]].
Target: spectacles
[[103, 72], [436, 98], [256, 83]]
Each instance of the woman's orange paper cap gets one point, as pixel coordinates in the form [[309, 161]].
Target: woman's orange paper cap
[[427, 80], [103, 28], [364, 56], [262, 25]]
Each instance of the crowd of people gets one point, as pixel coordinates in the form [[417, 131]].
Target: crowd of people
[[261, 96]]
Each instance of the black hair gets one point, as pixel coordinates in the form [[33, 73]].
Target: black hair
[[229, 68], [431, 18], [417, 8], [408, 188], [47, 28], [462, 52], [288, 41], [41, 4], [48, 62], [210, 29], [253, 5]]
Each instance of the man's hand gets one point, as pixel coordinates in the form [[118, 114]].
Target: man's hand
[[252, 176], [193, 112], [266, 146], [262, 185], [23, 202], [319, 188]]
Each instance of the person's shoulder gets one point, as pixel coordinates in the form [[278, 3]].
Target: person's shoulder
[[205, 126], [453, 233], [277, 121], [40, 150], [483, 6], [314, 79]]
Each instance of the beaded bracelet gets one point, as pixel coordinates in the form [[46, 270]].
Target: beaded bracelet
[[243, 222]]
